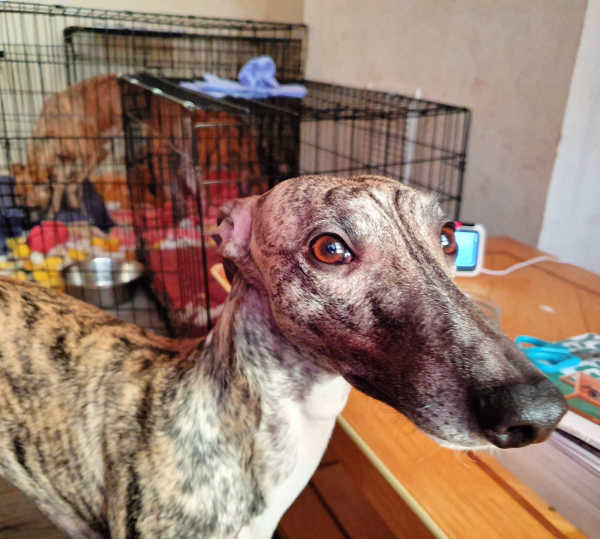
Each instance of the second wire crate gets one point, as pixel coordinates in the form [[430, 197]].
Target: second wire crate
[[195, 153]]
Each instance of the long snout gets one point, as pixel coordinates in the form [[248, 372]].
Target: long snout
[[518, 414]]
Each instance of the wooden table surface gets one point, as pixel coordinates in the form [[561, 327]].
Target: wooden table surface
[[460, 494]]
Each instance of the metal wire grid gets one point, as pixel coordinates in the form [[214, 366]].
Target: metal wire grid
[[335, 130], [45, 50], [187, 153], [195, 153], [347, 131]]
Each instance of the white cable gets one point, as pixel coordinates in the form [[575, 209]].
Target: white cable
[[520, 265]]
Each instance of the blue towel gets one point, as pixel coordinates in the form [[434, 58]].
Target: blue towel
[[12, 218], [94, 209], [256, 81]]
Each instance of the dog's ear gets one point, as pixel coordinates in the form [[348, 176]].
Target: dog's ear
[[16, 169], [234, 232]]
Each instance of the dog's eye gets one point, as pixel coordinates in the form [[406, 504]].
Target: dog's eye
[[330, 250], [447, 239]]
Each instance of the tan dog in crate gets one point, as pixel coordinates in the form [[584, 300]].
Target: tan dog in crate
[[68, 143]]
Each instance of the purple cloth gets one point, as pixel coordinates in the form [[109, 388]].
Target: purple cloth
[[256, 81]]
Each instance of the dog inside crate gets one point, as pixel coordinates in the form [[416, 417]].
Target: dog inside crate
[[113, 194], [76, 205], [140, 201], [134, 239]]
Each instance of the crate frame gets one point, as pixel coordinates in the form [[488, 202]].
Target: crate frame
[[335, 130], [331, 105]]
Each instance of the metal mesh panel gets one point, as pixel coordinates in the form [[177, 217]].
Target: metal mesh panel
[[228, 148], [186, 156], [120, 178], [67, 197]]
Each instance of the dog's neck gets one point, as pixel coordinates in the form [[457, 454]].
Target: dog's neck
[[247, 339], [276, 407], [249, 367]]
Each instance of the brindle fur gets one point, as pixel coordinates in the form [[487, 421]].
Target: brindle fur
[[95, 423], [117, 432]]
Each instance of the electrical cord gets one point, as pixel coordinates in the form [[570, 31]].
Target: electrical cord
[[520, 265]]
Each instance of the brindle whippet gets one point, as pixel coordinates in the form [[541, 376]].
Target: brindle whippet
[[335, 282]]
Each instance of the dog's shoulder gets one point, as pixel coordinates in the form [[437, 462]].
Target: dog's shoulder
[[62, 326], [38, 308]]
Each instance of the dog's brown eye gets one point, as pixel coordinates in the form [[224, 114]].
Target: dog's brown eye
[[447, 239], [330, 250]]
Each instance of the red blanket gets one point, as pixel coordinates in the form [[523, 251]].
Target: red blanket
[[174, 256]]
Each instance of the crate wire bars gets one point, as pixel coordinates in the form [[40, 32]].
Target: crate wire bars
[[43, 49], [178, 155], [52, 131], [234, 147]]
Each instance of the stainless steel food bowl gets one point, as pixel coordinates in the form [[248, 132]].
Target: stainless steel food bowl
[[102, 281]]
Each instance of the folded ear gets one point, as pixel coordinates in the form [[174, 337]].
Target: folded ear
[[234, 232]]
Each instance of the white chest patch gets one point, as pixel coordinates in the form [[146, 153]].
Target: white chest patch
[[311, 422]]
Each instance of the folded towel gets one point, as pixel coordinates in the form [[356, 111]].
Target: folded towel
[[256, 81]]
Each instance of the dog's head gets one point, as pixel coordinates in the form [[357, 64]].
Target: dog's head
[[359, 272]]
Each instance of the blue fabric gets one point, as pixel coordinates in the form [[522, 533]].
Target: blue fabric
[[12, 219], [94, 209], [546, 356], [256, 81]]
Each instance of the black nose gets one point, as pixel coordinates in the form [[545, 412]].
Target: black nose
[[519, 414]]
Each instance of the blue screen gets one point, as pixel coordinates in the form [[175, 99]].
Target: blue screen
[[468, 246]]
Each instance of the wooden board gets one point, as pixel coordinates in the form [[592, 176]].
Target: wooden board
[[397, 515], [21, 519], [346, 501], [308, 518], [548, 300]]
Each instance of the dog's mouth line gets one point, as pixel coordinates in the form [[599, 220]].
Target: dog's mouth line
[[475, 446]]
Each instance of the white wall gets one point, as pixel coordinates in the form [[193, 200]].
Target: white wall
[[267, 10], [572, 216], [510, 61]]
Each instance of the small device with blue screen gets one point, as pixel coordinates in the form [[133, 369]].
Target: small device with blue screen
[[470, 239]]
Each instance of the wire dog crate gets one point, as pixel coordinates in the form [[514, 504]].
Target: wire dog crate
[[108, 181], [196, 153], [61, 133], [44, 49], [228, 148]]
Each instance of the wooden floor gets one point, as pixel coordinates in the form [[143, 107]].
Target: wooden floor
[[20, 518], [331, 507]]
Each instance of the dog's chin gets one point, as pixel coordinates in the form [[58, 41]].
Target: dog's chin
[[457, 430], [476, 444]]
